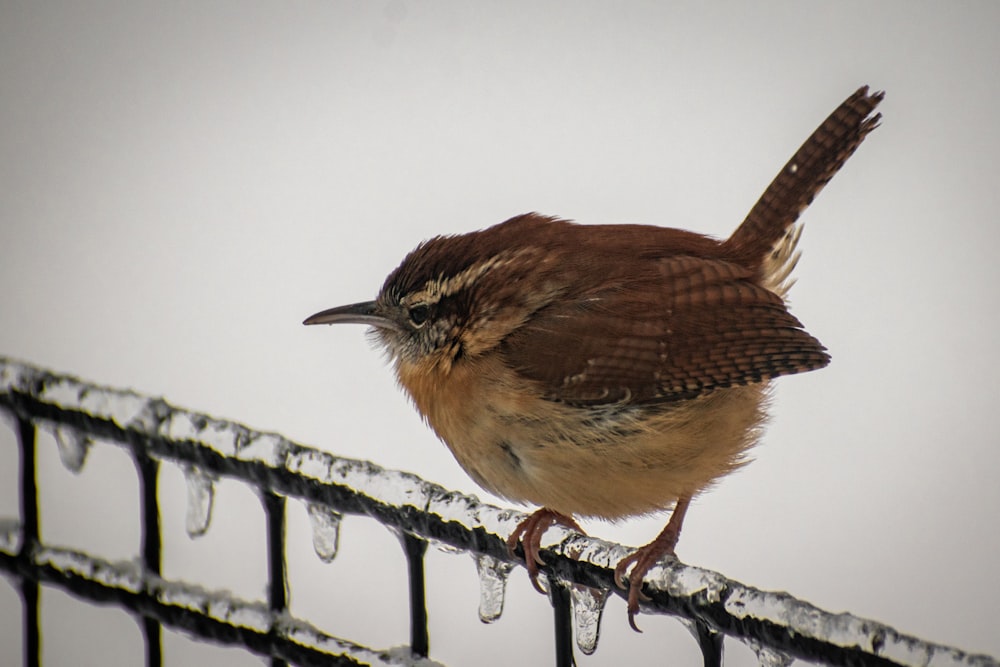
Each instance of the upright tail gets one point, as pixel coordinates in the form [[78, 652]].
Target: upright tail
[[801, 179]]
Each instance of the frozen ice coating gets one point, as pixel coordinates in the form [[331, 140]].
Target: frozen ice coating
[[325, 524], [306, 635], [217, 604], [843, 630], [268, 448], [591, 549], [687, 581], [493, 575], [73, 447], [221, 436], [444, 547], [120, 407], [10, 535], [588, 607], [207, 447], [125, 575], [768, 657], [200, 496], [390, 486]]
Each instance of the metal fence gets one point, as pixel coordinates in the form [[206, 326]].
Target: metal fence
[[579, 571]]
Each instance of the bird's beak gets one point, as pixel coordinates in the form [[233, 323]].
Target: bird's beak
[[356, 313]]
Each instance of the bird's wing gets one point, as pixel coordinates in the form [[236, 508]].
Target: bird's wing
[[687, 326]]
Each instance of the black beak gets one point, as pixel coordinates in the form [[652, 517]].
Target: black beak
[[356, 313]]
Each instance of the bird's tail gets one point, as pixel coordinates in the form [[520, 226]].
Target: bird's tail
[[767, 230]]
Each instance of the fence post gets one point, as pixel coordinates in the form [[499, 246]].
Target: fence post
[[415, 549], [29, 540], [562, 620], [151, 547], [710, 643], [277, 597]]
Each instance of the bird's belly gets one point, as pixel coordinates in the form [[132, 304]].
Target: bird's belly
[[609, 462]]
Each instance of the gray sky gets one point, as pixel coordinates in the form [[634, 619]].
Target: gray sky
[[180, 185]]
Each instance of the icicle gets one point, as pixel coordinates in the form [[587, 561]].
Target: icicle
[[325, 524], [444, 547], [588, 606], [769, 657], [492, 586], [709, 640], [73, 447], [200, 494]]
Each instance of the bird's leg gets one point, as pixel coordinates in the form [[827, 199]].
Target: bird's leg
[[647, 556], [529, 533]]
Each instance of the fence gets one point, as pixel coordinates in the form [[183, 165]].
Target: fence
[[579, 572]]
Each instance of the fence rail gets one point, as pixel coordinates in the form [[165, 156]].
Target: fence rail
[[579, 570]]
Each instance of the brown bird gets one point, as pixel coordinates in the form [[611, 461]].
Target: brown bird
[[606, 370]]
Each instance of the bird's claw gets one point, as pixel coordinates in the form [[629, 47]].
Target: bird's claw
[[529, 534], [643, 562], [643, 559]]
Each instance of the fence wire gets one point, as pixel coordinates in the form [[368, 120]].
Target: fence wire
[[579, 569]]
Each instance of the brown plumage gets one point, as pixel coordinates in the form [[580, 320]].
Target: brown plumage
[[606, 370]]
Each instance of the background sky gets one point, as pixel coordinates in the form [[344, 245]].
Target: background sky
[[182, 183]]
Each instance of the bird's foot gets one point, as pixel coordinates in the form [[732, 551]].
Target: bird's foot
[[644, 558], [529, 533]]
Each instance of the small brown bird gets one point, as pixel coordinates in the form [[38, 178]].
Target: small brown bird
[[606, 370]]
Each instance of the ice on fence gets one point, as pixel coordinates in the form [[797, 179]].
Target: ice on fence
[[73, 446], [493, 575], [306, 635], [218, 434], [219, 605], [588, 608], [200, 498], [768, 657], [126, 575], [325, 524], [268, 448], [482, 526], [10, 535]]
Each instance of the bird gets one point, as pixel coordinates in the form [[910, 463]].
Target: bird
[[610, 370]]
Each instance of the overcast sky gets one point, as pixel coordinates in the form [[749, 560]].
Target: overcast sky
[[181, 184]]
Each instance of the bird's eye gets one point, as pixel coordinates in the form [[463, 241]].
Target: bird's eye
[[419, 314]]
